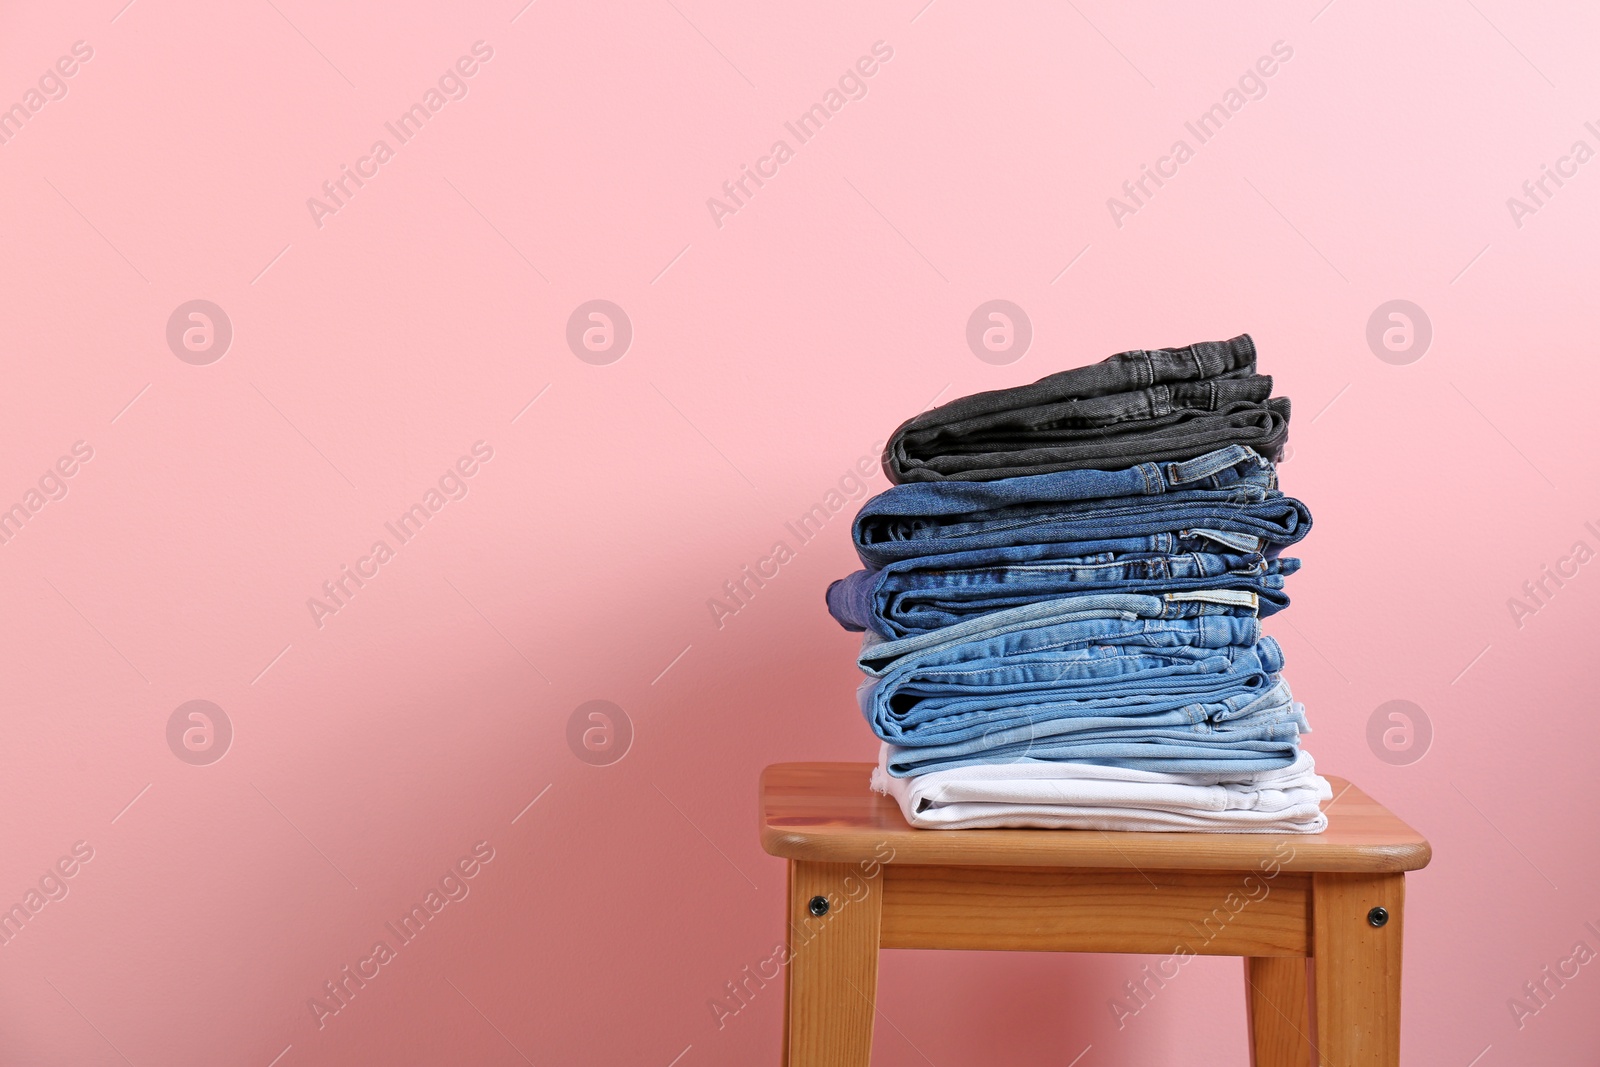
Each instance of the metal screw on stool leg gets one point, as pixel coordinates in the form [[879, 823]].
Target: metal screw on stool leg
[[1378, 916], [818, 906]]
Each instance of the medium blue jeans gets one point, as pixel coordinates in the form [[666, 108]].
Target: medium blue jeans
[[1231, 492], [917, 595]]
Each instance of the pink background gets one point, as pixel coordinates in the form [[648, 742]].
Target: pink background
[[769, 355]]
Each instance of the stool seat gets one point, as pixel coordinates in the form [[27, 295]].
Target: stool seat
[[1317, 917], [827, 812]]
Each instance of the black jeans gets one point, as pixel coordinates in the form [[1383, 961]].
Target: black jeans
[[1135, 407]]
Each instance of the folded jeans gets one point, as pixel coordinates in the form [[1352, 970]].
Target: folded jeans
[[1203, 619], [1222, 694], [1170, 751], [1230, 498], [918, 595], [1165, 404], [1099, 678]]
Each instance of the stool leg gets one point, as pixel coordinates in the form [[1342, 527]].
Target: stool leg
[[832, 973], [1357, 968], [1276, 1001]]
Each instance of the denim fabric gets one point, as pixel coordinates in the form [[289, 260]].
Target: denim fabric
[[1212, 619], [909, 521], [1222, 713], [1179, 436], [1178, 751], [1106, 678], [918, 595], [984, 699], [1167, 404], [899, 511], [1073, 573]]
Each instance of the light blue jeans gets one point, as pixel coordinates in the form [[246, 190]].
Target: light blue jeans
[[1096, 679]]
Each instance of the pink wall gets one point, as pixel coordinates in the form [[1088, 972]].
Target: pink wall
[[375, 345]]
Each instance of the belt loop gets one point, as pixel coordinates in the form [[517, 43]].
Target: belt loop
[[1193, 470]]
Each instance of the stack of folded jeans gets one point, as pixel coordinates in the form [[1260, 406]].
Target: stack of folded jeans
[[1062, 598]]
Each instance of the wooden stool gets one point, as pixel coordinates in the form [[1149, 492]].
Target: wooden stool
[[1318, 917]]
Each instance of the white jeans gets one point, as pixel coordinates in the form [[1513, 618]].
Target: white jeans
[[1082, 796]]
